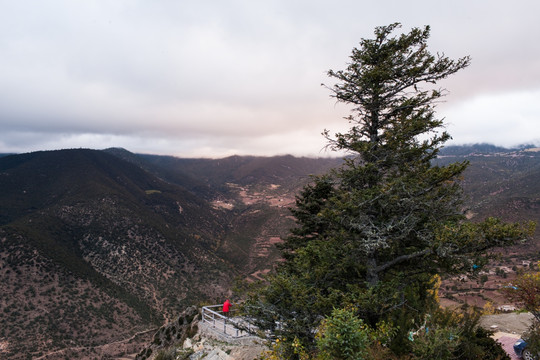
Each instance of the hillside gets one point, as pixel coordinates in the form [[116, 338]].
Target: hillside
[[499, 182], [256, 194], [503, 183], [96, 246]]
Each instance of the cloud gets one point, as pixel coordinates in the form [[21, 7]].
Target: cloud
[[239, 76], [505, 119]]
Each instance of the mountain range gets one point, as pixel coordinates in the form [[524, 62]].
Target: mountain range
[[98, 245]]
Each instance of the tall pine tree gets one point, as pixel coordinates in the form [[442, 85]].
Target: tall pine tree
[[375, 232]]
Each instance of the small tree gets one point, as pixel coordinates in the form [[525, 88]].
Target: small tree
[[343, 336], [525, 292], [375, 232]]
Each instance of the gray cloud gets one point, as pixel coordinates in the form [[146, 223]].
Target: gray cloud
[[213, 78]]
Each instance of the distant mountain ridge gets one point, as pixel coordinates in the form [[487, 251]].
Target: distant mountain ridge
[[502, 182], [465, 150], [116, 240]]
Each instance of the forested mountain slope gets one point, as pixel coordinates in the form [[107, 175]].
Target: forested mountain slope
[[93, 247], [97, 245]]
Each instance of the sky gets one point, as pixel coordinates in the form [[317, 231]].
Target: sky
[[214, 78]]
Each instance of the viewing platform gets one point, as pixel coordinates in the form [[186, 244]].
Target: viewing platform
[[227, 328]]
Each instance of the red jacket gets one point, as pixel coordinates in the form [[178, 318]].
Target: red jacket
[[226, 306]]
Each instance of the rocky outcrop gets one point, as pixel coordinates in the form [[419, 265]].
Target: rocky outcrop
[[176, 332], [187, 338], [209, 348]]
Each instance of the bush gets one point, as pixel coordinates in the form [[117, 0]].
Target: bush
[[533, 337], [435, 343], [185, 354], [476, 342], [343, 336], [168, 354], [458, 332]]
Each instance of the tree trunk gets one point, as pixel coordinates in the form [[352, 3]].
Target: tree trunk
[[372, 276]]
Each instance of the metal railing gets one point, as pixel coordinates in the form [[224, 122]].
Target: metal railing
[[235, 327]]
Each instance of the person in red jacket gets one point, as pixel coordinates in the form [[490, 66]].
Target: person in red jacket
[[226, 308]]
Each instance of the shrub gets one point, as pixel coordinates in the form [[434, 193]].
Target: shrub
[[185, 354], [343, 336], [435, 343], [533, 337], [168, 354], [480, 346], [459, 332]]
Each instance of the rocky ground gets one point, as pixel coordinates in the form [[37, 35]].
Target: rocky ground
[[210, 345], [190, 338]]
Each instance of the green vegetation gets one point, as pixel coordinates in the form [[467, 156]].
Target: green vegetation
[[374, 234], [173, 354], [87, 217], [525, 291], [343, 336]]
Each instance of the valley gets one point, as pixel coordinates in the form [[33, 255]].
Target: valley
[[97, 246]]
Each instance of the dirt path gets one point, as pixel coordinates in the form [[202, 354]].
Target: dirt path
[[108, 350]]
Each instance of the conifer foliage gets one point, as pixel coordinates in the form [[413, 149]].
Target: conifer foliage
[[374, 233]]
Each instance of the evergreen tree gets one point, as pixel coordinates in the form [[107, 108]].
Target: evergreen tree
[[375, 232]]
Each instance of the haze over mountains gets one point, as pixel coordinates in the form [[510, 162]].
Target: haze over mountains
[[98, 245]]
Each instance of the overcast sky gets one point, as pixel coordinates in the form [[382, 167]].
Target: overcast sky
[[213, 78]]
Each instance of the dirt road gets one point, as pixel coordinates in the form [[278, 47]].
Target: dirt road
[[508, 328], [512, 323]]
